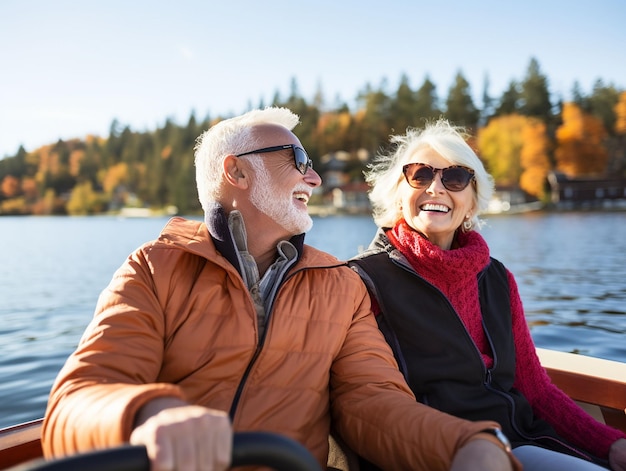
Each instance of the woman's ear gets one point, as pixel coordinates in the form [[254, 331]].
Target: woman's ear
[[236, 172]]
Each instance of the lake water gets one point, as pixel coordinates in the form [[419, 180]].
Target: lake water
[[570, 268]]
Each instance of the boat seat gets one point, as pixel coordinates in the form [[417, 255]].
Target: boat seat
[[596, 384]]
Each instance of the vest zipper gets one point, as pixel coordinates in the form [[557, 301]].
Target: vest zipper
[[573, 450]]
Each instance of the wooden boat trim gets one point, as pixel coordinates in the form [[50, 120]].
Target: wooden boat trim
[[590, 381], [20, 443]]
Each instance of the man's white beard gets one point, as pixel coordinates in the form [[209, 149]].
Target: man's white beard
[[280, 208]]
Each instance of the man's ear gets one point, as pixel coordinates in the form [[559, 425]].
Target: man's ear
[[236, 172]]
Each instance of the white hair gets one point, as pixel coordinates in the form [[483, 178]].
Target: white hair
[[231, 136], [449, 141]]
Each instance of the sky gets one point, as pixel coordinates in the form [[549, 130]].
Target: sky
[[68, 68]]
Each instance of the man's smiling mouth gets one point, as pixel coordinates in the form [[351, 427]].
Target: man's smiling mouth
[[303, 197]]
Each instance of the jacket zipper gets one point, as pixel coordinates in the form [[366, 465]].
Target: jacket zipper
[[259, 348]]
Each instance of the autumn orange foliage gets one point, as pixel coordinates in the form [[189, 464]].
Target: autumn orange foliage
[[620, 115], [580, 149], [534, 157]]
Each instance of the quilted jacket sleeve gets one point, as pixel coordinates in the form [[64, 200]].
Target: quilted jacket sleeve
[[101, 386]]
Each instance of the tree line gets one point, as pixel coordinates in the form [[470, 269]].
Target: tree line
[[521, 136]]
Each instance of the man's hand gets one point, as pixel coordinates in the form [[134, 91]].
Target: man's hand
[[182, 437], [484, 455]]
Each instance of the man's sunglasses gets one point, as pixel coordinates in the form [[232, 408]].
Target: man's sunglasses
[[300, 157], [454, 178]]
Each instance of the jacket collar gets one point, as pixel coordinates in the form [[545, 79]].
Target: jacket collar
[[381, 244], [216, 221]]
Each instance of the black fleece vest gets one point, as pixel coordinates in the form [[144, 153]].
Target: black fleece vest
[[440, 360]]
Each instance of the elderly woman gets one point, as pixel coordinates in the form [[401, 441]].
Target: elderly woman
[[453, 314]]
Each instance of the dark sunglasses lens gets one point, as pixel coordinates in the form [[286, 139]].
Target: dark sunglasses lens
[[419, 176], [301, 159], [455, 178]]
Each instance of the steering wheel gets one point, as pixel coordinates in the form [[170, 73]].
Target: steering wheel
[[249, 448]]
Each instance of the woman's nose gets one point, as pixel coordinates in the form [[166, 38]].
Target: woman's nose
[[436, 184]]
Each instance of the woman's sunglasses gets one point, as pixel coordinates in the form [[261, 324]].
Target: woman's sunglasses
[[300, 157], [454, 178]]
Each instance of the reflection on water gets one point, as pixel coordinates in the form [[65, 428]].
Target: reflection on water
[[571, 273], [570, 269]]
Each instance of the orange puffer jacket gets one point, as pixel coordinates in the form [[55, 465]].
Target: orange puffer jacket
[[189, 330]]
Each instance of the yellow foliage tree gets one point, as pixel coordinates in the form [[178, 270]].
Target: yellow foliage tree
[[115, 176], [500, 146], [84, 200], [580, 149], [76, 157], [534, 157], [620, 114], [13, 206]]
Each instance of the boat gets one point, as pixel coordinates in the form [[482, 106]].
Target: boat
[[597, 385]]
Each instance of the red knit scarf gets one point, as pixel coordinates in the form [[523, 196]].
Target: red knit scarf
[[454, 272]]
